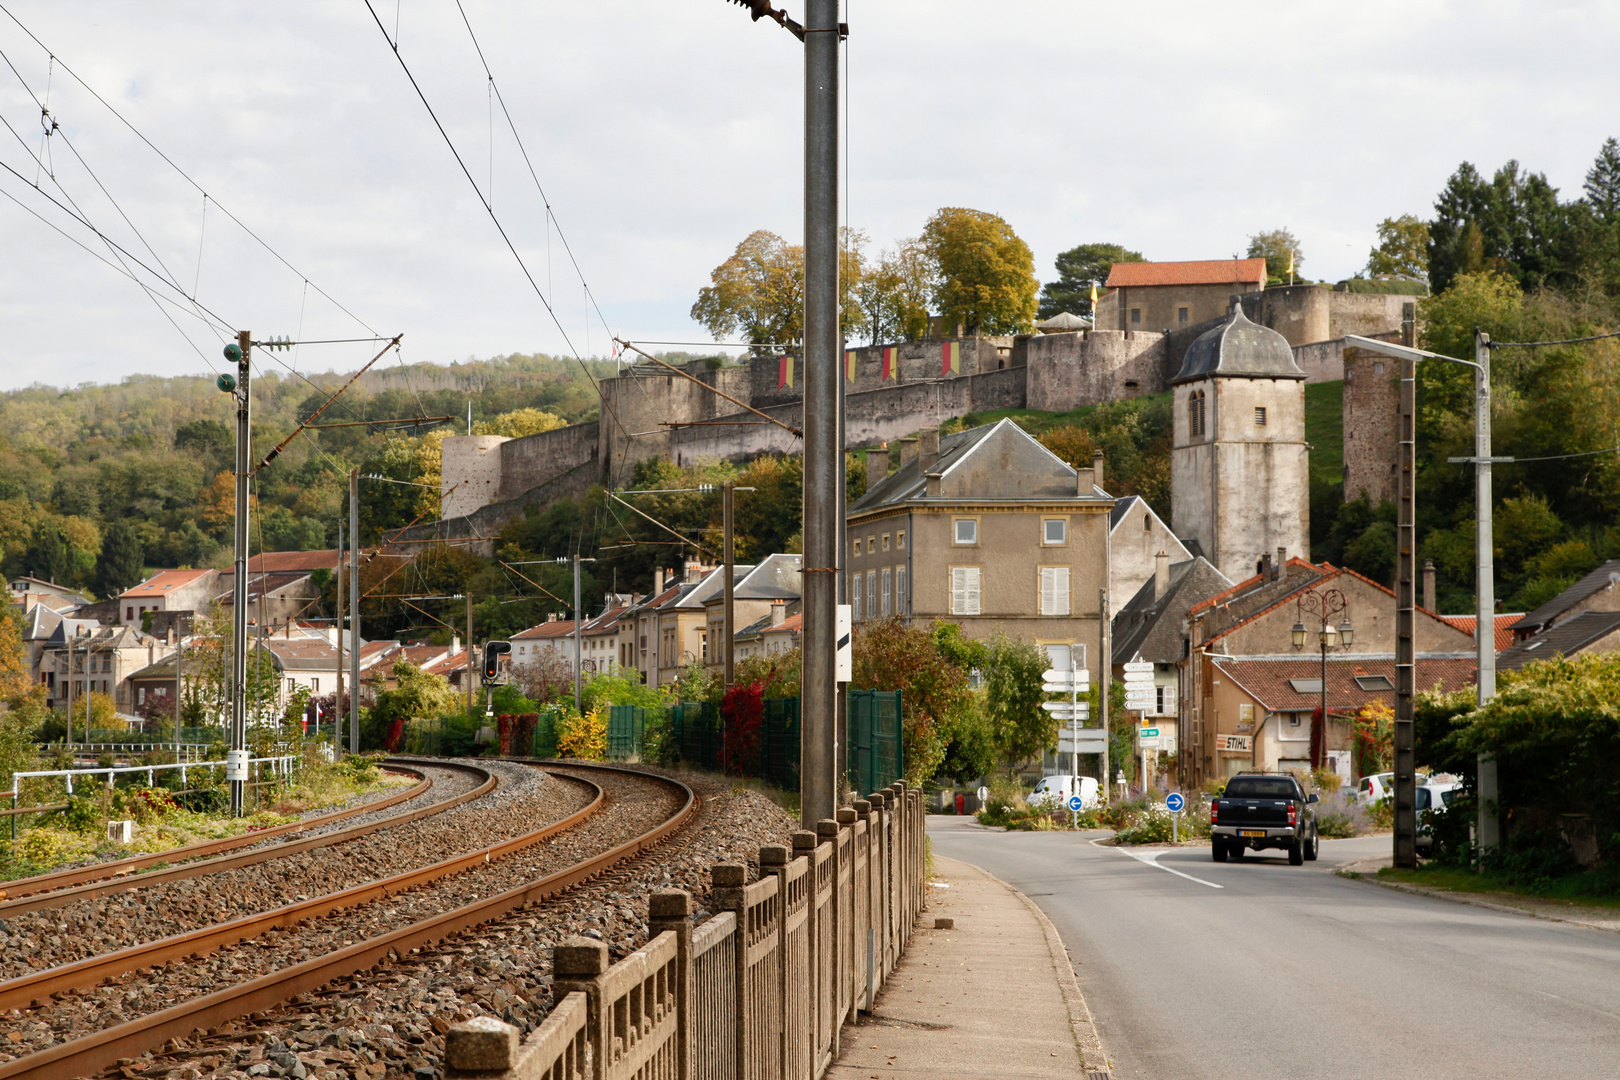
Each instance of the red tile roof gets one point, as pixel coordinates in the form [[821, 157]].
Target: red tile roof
[[1267, 680], [560, 628], [1205, 272], [163, 583], [1504, 627], [793, 624]]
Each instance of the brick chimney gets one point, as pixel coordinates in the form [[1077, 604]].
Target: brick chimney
[[1428, 584], [1097, 467], [877, 465], [928, 450], [1279, 569], [694, 572], [658, 581], [778, 612], [908, 450], [1161, 574]]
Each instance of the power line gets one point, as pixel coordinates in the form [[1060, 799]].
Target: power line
[[1538, 344]]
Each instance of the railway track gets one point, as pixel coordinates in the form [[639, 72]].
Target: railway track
[[344, 933], [194, 860]]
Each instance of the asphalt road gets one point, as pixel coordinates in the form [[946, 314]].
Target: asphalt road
[[1292, 972]]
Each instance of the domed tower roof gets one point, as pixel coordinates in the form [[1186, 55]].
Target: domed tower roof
[[1239, 349]]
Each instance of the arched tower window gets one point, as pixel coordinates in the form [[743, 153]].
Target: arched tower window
[[1195, 415]]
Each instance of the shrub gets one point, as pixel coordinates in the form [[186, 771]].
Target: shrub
[[582, 737], [1147, 825]]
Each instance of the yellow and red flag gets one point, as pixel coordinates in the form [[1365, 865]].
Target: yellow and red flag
[[890, 356], [784, 372], [950, 358], [849, 364]]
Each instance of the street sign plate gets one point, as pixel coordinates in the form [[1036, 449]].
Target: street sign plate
[[1133, 678], [1150, 733], [1066, 675], [1064, 688], [1081, 707], [1076, 803], [1085, 746], [1173, 802], [1138, 665]]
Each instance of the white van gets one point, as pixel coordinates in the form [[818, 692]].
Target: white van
[[1053, 792]]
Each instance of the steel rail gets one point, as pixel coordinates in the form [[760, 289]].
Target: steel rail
[[204, 867], [93, 1053], [80, 875]]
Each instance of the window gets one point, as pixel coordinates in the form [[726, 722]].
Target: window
[[871, 594], [1195, 415], [871, 545], [1161, 702], [857, 545], [1147, 523], [129, 614], [1055, 531], [1136, 314], [1181, 315], [1259, 416], [884, 590], [1293, 719], [1374, 682], [855, 596], [900, 607], [900, 539], [1306, 686], [1054, 590], [967, 530], [964, 590], [314, 686], [885, 541]]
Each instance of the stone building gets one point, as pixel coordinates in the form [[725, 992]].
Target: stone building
[[169, 590], [1174, 295], [985, 528], [758, 593], [1239, 464]]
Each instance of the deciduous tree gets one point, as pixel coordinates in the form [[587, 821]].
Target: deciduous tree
[[1281, 251], [985, 273], [1403, 248]]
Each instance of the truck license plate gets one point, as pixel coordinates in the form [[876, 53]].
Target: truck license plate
[[1252, 832]]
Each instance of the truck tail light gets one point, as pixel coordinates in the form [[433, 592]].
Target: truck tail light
[[1214, 812], [1293, 814]]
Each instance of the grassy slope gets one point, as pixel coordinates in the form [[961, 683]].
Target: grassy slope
[[1036, 422], [1324, 429]]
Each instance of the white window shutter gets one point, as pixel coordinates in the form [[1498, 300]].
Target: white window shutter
[[1046, 590], [965, 590], [1060, 590]]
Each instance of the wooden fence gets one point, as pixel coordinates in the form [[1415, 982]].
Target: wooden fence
[[761, 991]]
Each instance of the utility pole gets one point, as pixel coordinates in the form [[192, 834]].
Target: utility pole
[[728, 491], [69, 638], [236, 767], [1105, 682], [468, 677], [579, 627], [823, 498], [179, 665], [354, 611], [1405, 841], [337, 701], [1489, 828]]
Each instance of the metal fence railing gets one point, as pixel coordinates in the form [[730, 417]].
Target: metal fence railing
[[875, 755], [759, 991]]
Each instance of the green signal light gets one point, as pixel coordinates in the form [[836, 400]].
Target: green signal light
[[233, 352], [227, 382]]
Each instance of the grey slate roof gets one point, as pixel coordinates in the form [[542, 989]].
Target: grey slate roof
[[777, 577], [1568, 638], [1598, 579], [1239, 349], [1151, 625]]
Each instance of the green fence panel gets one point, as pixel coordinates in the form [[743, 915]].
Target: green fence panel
[[626, 725], [695, 729], [875, 751], [545, 733], [779, 743]]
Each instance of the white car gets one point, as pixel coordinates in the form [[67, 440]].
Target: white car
[[1432, 797], [1053, 792], [1375, 787]]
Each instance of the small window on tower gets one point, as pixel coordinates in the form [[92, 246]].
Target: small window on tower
[[1259, 416], [1181, 315], [1136, 314]]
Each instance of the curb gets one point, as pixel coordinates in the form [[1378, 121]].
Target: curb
[[1092, 1056], [1459, 898]]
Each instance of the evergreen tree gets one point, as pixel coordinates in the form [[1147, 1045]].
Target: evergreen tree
[[121, 561], [1603, 184], [1078, 269], [49, 557]]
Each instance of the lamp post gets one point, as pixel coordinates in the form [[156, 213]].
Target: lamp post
[[1322, 606]]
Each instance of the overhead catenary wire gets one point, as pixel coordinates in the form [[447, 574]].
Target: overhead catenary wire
[[1561, 341]]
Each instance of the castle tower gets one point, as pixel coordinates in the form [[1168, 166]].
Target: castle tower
[[1239, 466]]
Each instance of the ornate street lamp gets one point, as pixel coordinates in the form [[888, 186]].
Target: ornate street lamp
[[1322, 605]]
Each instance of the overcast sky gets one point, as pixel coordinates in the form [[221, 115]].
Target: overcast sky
[[664, 132]]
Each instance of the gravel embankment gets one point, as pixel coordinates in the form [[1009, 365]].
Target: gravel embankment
[[391, 1020], [525, 800]]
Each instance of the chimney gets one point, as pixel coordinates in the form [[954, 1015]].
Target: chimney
[[658, 581], [1279, 569], [1161, 575], [694, 572], [908, 450], [1082, 480], [1265, 569], [455, 644], [1428, 584], [551, 616], [877, 465], [1097, 467], [778, 612], [928, 450]]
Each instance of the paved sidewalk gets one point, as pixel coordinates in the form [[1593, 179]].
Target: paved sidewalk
[[994, 996]]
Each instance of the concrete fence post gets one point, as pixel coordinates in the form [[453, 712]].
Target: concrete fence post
[[827, 997], [671, 910], [727, 881], [578, 964], [849, 919]]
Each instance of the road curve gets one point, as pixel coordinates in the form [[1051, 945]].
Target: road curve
[[1257, 969]]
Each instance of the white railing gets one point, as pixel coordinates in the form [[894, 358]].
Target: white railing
[[278, 766]]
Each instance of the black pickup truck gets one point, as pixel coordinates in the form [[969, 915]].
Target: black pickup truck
[[1263, 810]]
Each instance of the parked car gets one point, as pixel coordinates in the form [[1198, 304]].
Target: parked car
[[1261, 810], [1053, 792], [1375, 787], [1433, 796]]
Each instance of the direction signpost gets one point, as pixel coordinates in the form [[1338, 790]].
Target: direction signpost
[[1076, 804], [1074, 682], [1141, 697]]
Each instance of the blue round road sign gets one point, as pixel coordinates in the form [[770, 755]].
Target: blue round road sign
[[1076, 803], [1174, 802]]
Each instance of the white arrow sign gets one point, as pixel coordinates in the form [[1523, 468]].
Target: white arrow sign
[[1065, 707], [1137, 665], [1137, 678], [1066, 675], [1083, 746]]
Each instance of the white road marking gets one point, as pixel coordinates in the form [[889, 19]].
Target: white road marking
[[1152, 859]]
